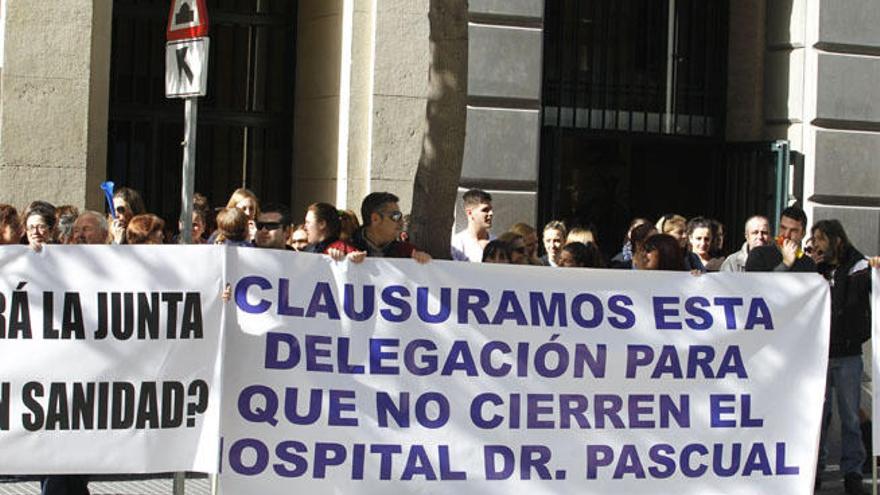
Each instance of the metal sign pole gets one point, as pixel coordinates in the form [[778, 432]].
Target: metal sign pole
[[190, 119]]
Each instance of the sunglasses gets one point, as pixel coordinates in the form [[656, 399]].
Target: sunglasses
[[268, 225], [120, 210], [808, 249], [395, 216]]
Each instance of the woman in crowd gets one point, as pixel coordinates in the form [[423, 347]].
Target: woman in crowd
[[638, 236], [700, 241], [497, 251], [350, 224], [232, 228], [323, 227], [674, 225], [247, 202], [39, 223], [299, 239], [663, 252], [530, 241], [127, 203], [584, 235], [10, 225], [145, 229], [580, 255], [554, 238]]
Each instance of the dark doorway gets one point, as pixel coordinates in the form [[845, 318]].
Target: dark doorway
[[245, 128]]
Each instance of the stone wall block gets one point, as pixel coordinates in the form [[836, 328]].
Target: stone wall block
[[44, 121], [401, 49], [502, 144], [850, 22], [519, 8], [398, 133], [848, 89], [504, 62], [846, 163]]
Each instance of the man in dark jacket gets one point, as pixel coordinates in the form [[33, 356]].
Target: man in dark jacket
[[380, 235], [846, 269]]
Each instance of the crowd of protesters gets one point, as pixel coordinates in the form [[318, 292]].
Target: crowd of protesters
[[672, 243]]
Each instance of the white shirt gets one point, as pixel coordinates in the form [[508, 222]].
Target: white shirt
[[466, 248]]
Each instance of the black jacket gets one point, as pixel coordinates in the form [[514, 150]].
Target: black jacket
[[850, 303]]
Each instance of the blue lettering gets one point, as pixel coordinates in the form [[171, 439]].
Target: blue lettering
[[577, 315], [241, 290], [428, 361], [509, 308], [393, 296], [624, 318], [378, 354], [661, 313], [323, 302], [759, 314], [702, 319], [284, 307], [236, 453], [422, 300], [369, 303], [473, 301], [729, 304], [274, 343]]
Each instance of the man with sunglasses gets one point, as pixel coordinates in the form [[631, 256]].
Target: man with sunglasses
[[380, 234], [273, 227]]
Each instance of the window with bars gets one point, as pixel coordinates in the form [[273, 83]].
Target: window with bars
[[636, 66]]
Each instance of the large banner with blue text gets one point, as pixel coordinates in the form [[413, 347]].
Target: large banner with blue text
[[394, 377], [110, 359]]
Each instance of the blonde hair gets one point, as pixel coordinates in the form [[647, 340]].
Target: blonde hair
[[668, 223], [242, 194], [582, 235]]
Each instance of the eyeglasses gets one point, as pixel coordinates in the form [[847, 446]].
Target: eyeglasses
[[808, 249], [37, 227], [394, 215], [268, 225], [120, 210]]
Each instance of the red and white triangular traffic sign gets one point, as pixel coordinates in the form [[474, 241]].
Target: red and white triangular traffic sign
[[187, 19]]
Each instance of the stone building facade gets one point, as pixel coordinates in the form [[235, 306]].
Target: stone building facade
[[420, 97]]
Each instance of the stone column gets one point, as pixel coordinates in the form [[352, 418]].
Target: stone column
[[54, 101]]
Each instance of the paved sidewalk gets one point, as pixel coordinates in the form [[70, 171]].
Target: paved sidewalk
[[196, 484]]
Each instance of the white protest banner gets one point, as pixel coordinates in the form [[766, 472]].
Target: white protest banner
[[109, 361], [394, 377]]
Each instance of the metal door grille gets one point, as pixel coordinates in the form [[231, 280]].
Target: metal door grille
[[245, 128], [636, 66]]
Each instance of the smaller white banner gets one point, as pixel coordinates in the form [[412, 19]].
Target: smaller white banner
[[109, 359]]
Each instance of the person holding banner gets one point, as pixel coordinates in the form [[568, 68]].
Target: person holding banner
[[323, 224], [846, 270], [379, 237]]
